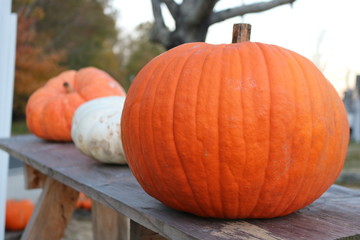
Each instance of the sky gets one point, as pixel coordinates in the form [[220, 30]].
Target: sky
[[325, 31]]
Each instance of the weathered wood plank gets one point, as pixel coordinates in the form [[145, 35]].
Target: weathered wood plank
[[138, 232], [52, 213], [336, 214], [109, 224], [33, 178]]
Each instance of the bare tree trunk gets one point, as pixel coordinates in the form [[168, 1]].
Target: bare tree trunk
[[194, 17]]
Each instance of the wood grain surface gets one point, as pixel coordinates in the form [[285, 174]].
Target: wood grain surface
[[335, 215], [52, 213], [108, 224], [33, 178]]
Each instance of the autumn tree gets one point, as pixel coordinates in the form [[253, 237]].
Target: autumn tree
[[57, 35], [194, 17], [86, 29], [33, 65], [140, 50]]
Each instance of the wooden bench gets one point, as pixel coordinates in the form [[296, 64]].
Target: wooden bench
[[122, 210]]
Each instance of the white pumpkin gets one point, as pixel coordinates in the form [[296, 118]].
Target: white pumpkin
[[95, 129]]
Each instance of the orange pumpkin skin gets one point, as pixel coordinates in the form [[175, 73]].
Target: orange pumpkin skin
[[18, 214], [83, 201], [50, 109], [244, 130]]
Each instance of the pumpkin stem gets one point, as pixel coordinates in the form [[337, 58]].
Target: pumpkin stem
[[241, 32], [68, 87]]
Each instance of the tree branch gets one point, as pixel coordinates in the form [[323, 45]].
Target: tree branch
[[172, 6], [197, 11], [244, 9], [157, 12], [159, 33]]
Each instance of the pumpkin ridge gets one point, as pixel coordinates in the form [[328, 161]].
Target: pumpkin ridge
[[44, 112], [324, 149], [292, 158], [346, 128], [44, 128], [210, 200], [328, 159], [221, 168], [170, 191], [329, 167], [70, 110], [244, 149], [137, 89], [148, 167], [284, 193], [233, 205], [243, 126], [234, 58], [293, 76], [204, 104], [248, 53], [338, 120], [200, 207], [152, 170], [261, 50], [241, 97], [276, 167], [296, 122], [66, 119], [345, 139], [32, 120], [60, 120], [276, 54], [325, 144], [313, 113], [323, 91]]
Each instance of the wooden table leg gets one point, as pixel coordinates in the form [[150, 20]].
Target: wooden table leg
[[109, 224], [53, 211], [139, 232], [33, 178]]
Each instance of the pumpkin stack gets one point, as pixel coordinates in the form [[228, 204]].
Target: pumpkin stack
[[241, 130]]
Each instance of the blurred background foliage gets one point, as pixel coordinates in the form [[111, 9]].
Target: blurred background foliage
[[54, 36]]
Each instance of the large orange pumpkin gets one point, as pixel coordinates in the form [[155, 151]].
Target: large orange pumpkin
[[18, 213], [50, 109], [245, 130]]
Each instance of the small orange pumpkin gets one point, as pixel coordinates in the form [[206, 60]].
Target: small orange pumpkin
[[243, 130], [84, 201], [50, 109], [18, 213]]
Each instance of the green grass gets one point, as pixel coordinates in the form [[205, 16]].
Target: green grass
[[355, 237], [351, 167], [353, 157], [19, 127]]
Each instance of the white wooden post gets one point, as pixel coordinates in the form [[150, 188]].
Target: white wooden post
[[7, 68]]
